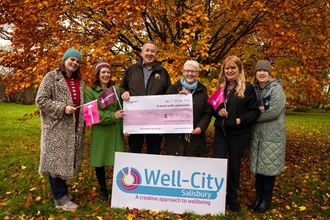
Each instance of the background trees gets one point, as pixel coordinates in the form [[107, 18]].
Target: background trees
[[292, 34]]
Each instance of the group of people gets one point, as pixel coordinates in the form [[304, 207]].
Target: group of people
[[251, 115]]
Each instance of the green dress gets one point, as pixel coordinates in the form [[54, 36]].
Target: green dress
[[107, 135]]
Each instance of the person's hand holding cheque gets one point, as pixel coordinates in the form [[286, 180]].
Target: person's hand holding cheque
[[184, 91]]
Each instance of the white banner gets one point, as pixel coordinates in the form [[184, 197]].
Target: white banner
[[173, 183], [158, 114]]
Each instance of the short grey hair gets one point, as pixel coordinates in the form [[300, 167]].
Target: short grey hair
[[191, 63], [149, 42]]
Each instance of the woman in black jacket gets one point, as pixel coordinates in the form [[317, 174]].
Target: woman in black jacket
[[233, 122], [194, 143]]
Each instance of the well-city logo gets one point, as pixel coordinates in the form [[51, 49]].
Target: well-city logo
[[154, 182]]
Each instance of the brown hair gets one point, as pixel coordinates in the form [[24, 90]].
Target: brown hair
[[75, 74], [96, 81]]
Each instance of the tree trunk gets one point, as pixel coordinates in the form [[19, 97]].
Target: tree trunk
[[28, 96]]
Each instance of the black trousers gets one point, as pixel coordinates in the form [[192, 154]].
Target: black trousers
[[233, 146], [100, 174], [264, 186], [153, 141]]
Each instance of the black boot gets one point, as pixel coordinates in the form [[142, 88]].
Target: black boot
[[255, 204], [103, 193], [264, 206], [234, 206]]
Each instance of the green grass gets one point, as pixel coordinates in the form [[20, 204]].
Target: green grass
[[301, 192]]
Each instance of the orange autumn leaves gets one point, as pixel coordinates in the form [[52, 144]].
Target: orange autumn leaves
[[292, 34]]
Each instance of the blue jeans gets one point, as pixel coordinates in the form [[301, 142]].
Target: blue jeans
[[59, 187], [154, 141], [233, 146]]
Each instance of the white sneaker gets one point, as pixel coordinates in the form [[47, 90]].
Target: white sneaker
[[69, 206]]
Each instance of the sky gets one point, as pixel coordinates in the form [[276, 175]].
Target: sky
[[6, 28], [4, 42]]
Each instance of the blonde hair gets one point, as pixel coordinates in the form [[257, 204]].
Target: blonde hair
[[240, 82]]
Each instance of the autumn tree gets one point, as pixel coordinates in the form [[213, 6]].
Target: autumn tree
[[291, 34]]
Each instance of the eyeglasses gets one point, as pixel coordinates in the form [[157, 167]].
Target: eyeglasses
[[190, 71]]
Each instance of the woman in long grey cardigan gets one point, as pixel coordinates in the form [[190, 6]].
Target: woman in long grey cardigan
[[268, 140], [62, 137]]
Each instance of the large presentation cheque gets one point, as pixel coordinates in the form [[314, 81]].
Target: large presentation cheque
[[158, 114]]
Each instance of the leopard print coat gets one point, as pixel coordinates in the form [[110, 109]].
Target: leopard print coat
[[61, 143]]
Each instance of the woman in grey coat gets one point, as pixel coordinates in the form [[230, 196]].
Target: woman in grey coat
[[268, 140], [62, 136]]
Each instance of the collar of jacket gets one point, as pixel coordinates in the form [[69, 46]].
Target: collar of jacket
[[273, 82], [99, 88], [58, 75], [156, 68]]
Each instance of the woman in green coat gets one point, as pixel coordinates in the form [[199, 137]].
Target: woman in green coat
[[107, 135], [268, 139]]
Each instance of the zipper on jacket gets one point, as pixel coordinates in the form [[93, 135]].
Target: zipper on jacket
[[147, 86], [223, 121]]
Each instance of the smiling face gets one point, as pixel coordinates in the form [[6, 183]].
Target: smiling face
[[104, 76], [231, 71], [190, 73], [149, 52], [262, 76], [71, 64]]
